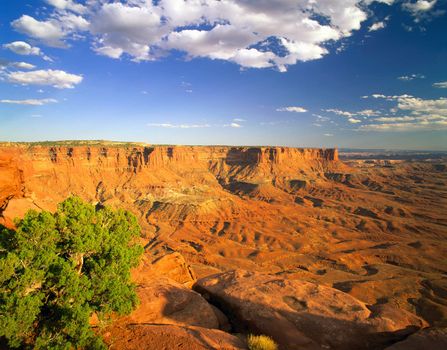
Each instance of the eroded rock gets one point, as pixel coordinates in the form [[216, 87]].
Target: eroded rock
[[304, 315], [164, 301]]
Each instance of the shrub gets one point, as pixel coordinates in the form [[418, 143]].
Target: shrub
[[261, 342], [56, 269]]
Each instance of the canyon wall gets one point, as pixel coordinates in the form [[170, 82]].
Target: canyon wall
[[40, 176]]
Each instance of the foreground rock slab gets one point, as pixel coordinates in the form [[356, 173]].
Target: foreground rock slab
[[304, 315], [430, 338], [167, 337]]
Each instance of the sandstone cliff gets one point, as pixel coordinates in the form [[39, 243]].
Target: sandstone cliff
[[40, 176]]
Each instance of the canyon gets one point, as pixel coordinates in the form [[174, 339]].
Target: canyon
[[314, 251]]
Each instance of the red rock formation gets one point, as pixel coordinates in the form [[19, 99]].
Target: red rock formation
[[374, 230], [45, 175]]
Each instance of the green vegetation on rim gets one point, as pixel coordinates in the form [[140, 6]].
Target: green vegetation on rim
[[57, 269]]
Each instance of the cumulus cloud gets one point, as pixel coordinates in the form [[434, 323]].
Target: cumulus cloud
[[31, 102], [52, 31], [354, 121], [419, 7], [46, 30], [295, 109], [23, 48], [252, 34], [56, 78], [441, 85], [67, 5]]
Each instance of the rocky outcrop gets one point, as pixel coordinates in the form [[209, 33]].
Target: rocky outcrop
[[429, 338], [143, 337], [163, 301], [303, 315]]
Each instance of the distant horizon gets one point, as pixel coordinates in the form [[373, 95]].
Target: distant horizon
[[340, 149]]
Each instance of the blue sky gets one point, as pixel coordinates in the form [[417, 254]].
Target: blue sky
[[323, 73]]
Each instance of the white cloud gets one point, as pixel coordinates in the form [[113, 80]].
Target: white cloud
[[321, 118], [377, 26], [252, 34], [418, 7], [23, 65], [56, 78], [48, 31], [31, 102], [23, 48], [368, 113], [67, 5], [378, 96], [127, 29], [52, 31], [339, 112], [422, 125], [240, 120], [235, 125], [295, 109], [414, 114], [441, 85], [354, 121], [328, 135], [411, 77]]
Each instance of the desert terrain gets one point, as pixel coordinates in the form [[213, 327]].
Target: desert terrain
[[316, 251]]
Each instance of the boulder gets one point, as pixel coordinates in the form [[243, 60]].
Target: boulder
[[304, 315], [167, 337], [164, 301]]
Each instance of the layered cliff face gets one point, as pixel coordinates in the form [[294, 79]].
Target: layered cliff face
[[42, 176], [369, 229]]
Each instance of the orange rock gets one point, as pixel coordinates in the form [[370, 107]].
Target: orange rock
[[163, 301], [303, 315], [167, 337]]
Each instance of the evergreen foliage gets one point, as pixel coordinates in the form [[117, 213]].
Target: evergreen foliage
[[57, 269]]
